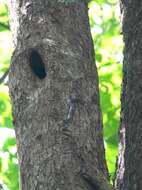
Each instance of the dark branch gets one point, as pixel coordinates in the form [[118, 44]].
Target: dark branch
[[4, 76], [1, 187], [4, 26]]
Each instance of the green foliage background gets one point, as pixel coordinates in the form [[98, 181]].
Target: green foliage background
[[104, 21]]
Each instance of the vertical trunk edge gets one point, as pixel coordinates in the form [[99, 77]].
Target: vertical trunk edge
[[129, 171]]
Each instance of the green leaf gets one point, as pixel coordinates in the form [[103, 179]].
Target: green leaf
[[8, 143], [98, 57]]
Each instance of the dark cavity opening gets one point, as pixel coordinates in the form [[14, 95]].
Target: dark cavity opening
[[37, 64]]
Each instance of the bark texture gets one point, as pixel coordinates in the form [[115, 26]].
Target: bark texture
[[57, 116], [129, 172]]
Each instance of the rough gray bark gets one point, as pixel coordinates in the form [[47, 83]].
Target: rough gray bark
[[57, 119], [129, 172]]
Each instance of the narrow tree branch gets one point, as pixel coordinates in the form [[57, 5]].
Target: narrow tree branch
[[6, 26], [1, 187], [4, 76]]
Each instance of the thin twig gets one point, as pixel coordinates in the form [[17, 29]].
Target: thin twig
[[1, 187], [4, 76], [6, 26]]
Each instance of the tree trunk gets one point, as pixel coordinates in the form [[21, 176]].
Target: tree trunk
[[129, 174], [53, 85]]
